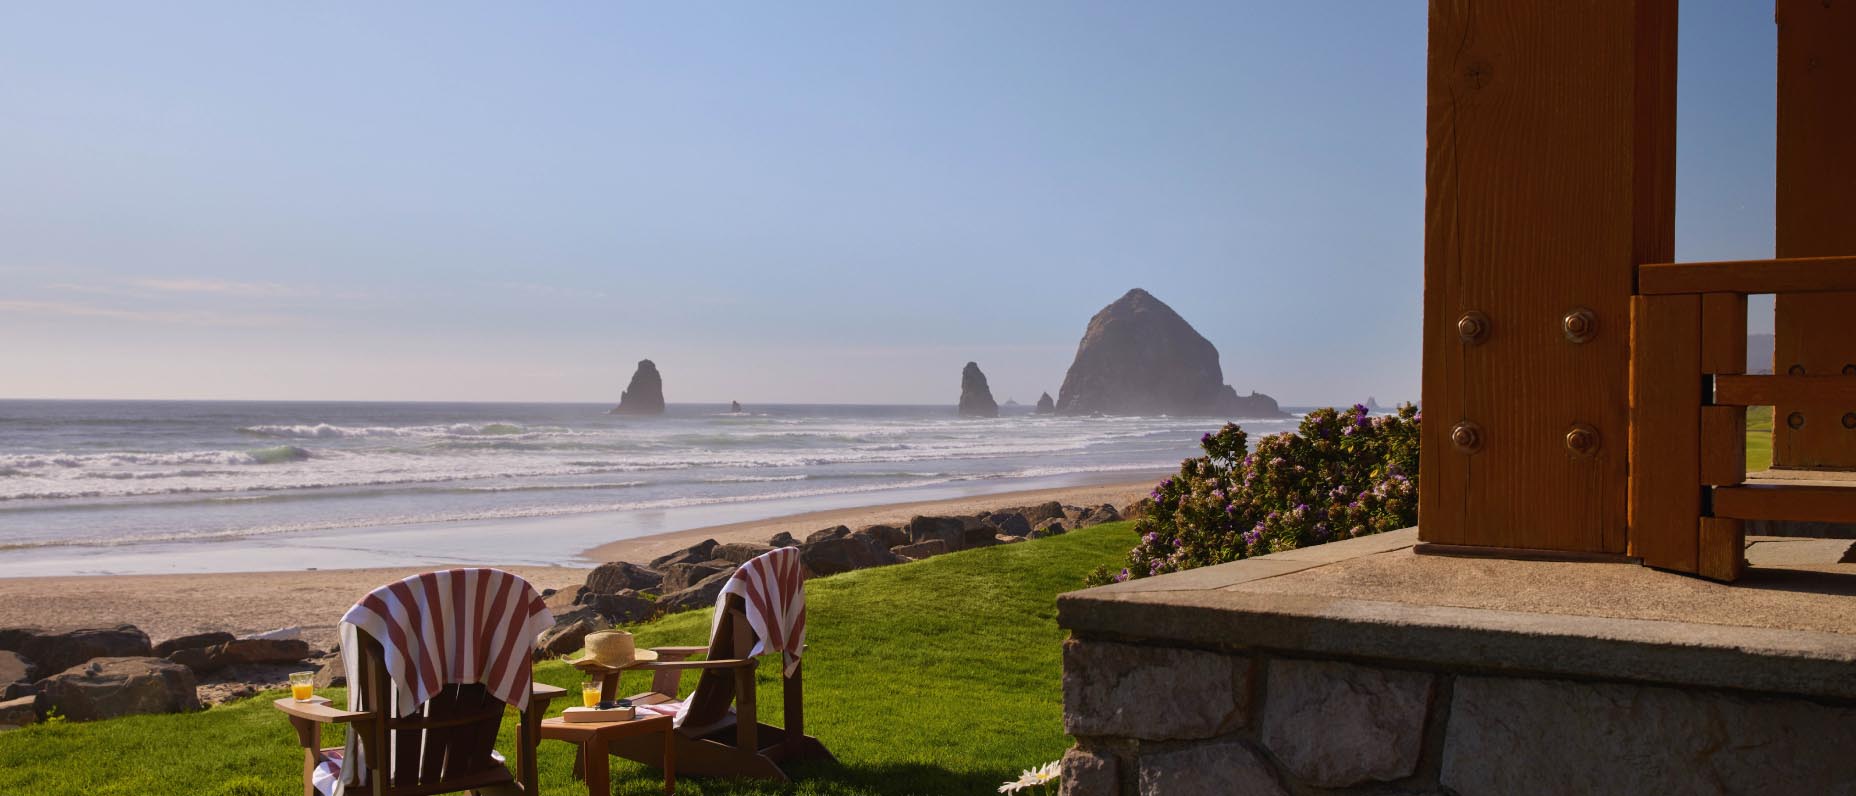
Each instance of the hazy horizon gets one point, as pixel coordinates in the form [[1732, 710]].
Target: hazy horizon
[[826, 203]]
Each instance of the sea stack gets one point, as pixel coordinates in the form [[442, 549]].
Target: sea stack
[[645, 395], [1045, 405], [975, 397], [1139, 357]]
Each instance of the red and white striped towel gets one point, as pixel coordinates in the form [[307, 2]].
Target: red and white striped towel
[[772, 585], [456, 626]]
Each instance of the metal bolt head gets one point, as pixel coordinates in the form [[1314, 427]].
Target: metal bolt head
[[1473, 327], [1579, 324], [1849, 420], [1467, 437], [1583, 440], [1795, 370], [1849, 370], [1795, 420]]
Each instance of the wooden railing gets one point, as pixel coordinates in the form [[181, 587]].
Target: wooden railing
[[1689, 499]]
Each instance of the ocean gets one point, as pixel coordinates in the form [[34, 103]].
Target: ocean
[[119, 487]]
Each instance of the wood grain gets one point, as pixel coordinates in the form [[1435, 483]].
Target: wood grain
[[1793, 391], [1665, 431], [1549, 177], [1723, 548], [1796, 275], [1799, 503], [1723, 445], [1816, 216]]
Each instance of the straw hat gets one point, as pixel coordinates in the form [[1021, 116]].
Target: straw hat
[[615, 648]]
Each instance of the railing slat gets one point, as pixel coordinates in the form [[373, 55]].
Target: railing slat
[[1665, 431], [1750, 390], [1793, 275], [1792, 502]]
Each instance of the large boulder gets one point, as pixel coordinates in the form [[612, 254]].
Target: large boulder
[[832, 556], [105, 688], [1098, 515], [645, 394], [568, 634], [834, 532], [624, 607], [330, 673], [1040, 512], [741, 552], [884, 536], [783, 539], [621, 575], [1008, 523], [950, 531], [194, 641], [975, 396], [1139, 357], [1050, 527], [700, 551], [700, 595], [919, 550], [238, 652], [56, 651], [678, 577]]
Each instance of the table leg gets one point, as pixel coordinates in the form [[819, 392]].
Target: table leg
[[598, 776], [670, 761]]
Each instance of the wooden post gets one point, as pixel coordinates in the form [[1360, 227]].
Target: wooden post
[[1549, 177], [1816, 215], [1665, 432]]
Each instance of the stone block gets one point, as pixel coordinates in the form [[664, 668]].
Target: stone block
[[15, 668], [1527, 736], [1087, 773], [195, 641], [620, 575], [56, 651], [105, 688], [1333, 725], [1152, 693], [19, 712], [919, 550], [1225, 768]]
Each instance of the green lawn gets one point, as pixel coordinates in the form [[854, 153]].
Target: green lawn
[[1758, 438], [940, 677]]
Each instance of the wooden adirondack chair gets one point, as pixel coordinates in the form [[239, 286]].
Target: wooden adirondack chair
[[713, 741], [443, 748]]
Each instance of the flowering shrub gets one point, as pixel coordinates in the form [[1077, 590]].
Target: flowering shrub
[[1341, 474]]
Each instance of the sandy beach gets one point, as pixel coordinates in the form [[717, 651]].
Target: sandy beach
[[165, 606]]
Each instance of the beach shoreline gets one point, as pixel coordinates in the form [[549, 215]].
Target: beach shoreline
[[169, 605]]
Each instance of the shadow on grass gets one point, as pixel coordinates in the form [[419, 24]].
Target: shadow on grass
[[829, 779]]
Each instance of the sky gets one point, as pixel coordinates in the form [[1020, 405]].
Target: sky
[[834, 202]]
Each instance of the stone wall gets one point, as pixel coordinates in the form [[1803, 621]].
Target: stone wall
[[1160, 720]]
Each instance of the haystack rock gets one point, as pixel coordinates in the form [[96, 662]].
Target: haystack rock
[[1045, 405], [975, 397], [1138, 357], [645, 395]]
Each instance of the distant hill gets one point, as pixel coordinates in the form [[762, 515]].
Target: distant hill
[[1759, 353]]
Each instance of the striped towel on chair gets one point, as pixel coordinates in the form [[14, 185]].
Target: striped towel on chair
[[456, 626], [772, 586]]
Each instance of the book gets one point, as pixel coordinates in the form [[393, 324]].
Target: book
[[588, 715]]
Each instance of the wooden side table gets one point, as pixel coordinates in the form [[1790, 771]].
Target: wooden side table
[[592, 738]]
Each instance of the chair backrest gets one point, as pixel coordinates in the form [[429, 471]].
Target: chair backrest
[[445, 745]]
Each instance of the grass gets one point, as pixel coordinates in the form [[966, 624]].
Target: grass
[[1758, 438], [939, 677]]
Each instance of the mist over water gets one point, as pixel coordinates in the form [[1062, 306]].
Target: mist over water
[[101, 479]]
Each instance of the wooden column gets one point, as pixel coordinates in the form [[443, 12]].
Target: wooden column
[[1550, 175], [1816, 193]]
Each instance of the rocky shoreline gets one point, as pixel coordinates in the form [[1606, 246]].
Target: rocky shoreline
[[110, 670]]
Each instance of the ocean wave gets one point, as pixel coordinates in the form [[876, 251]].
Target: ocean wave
[[34, 461], [328, 431], [752, 479]]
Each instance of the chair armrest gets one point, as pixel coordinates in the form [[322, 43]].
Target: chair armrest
[[540, 694], [719, 663], [678, 653], [318, 711]]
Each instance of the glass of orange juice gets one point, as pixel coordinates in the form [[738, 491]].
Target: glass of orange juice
[[589, 693], [302, 685]]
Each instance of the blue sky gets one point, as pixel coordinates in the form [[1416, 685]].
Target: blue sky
[[830, 202]]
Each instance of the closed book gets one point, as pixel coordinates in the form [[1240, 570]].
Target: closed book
[[587, 715]]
